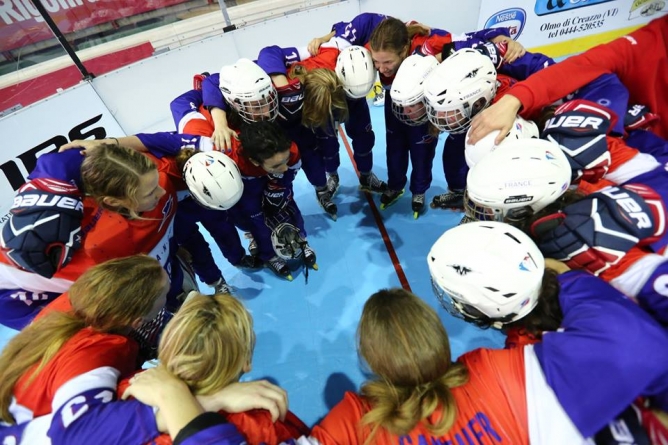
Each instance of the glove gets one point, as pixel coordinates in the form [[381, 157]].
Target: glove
[[291, 98], [495, 51], [44, 229], [597, 231], [580, 131], [639, 117], [275, 198]]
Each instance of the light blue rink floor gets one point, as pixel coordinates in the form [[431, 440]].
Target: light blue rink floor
[[306, 332]]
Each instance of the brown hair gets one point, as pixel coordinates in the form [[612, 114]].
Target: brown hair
[[406, 346], [108, 297], [547, 315], [115, 172], [395, 36], [324, 98], [208, 342], [183, 155]]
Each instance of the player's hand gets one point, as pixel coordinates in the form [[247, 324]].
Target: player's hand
[[85, 145], [155, 386], [314, 45], [556, 265], [244, 396], [421, 26], [514, 50], [500, 116], [222, 138]]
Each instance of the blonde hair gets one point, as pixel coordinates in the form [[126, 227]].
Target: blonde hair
[[115, 172], [406, 346], [108, 297], [208, 342], [324, 98]]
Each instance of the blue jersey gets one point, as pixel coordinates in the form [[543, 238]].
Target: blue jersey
[[608, 352]]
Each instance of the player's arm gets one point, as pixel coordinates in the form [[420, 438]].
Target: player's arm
[[546, 86], [358, 30], [214, 101]]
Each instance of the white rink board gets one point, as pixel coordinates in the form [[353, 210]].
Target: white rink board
[[40, 128]]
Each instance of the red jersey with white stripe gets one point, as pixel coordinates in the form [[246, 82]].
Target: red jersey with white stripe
[[88, 360]]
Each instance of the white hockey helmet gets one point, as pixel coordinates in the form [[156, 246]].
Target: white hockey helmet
[[408, 89], [460, 87], [521, 129], [486, 272], [356, 71], [249, 90], [519, 178], [213, 179], [287, 241]]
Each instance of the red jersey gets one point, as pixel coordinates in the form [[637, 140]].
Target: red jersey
[[640, 60], [491, 408], [326, 58], [109, 235], [90, 360]]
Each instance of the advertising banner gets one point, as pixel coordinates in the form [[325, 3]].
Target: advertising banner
[[568, 26], [78, 113], [21, 24]]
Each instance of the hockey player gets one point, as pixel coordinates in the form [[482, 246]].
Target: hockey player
[[214, 187], [335, 85], [64, 354], [128, 208], [408, 133], [638, 59], [501, 280], [208, 345]]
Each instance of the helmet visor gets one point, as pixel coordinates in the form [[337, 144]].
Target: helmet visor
[[455, 306], [413, 115], [263, 109]]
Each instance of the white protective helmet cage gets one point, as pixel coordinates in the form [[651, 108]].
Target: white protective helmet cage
[[287, 241], [249, 90], [460, 87], [521, 129], [213, 179], [407, 90], [355, 69], [486, 272], [516, 180]]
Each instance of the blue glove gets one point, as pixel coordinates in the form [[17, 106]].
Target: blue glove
[[44, 229]]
